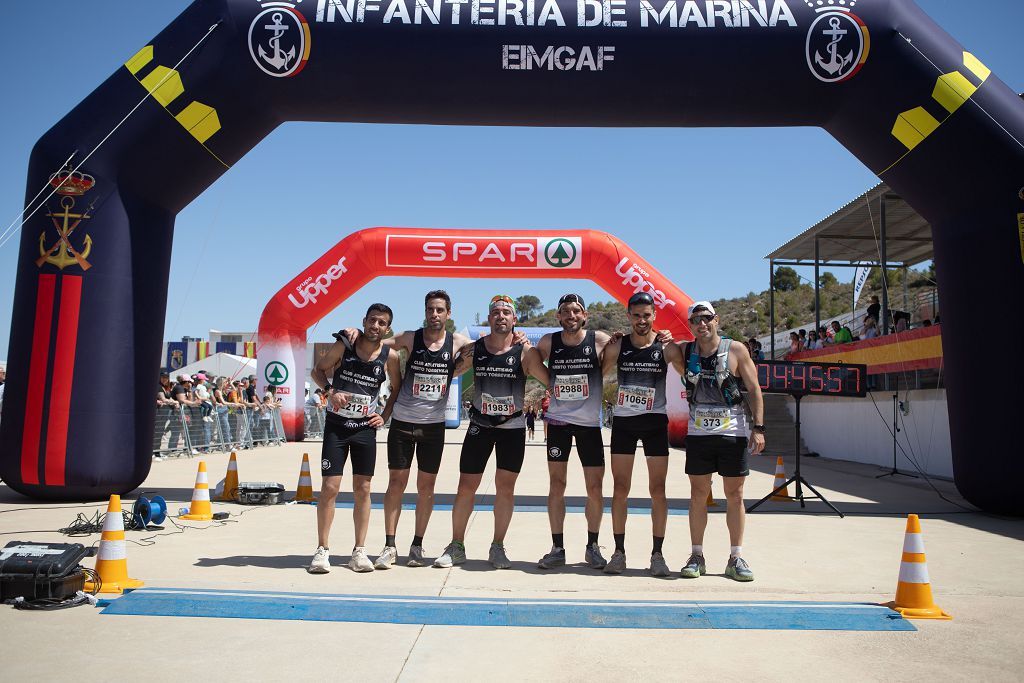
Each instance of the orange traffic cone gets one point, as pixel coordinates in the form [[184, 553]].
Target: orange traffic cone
[[780, 479], [914, 591], [112, 559], [304, 491], [200, 509], [230, 490], [711, 498]]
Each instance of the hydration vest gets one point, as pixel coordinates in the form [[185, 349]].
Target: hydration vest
[[727, 383]]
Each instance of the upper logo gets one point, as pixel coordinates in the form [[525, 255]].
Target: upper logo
[[560, 253], [279, 40], [837, 44]]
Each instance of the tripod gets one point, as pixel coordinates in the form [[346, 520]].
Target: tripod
[[895, 430], [797, 477]]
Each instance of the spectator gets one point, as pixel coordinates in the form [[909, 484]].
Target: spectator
[[803, 339], [813, 343], [937, 320], [222, 408], [544, 405], [202, 393], [3, 380], [840, 333], [795, 345], [870, 328], [182, 393], [875, 308], [531, 422], [926, 323], [823, 336], [166, 415], [760, 352], [903, 323]]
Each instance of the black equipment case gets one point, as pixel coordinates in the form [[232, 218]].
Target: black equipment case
[[41, 570]]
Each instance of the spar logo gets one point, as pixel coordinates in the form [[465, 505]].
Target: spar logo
[[276, 373], [311, 288], [636, 277], [485, 253]]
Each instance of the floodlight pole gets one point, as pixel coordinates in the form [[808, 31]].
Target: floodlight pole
[[817, 291], [771, 307]]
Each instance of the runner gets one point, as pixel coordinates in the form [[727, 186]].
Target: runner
[[500, 366], [357, 373], [640, 415], [574, 410], [718, 433]]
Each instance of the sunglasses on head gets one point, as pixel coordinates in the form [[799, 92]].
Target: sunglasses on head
[[502, 298], [705, 318]]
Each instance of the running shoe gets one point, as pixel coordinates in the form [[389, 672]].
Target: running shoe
[[454, 554], [415, 556], [738, 569], [555, 558], [321, 563], [658, 566], [387, 558], [359, 562], [594, 557], [617, 564], [498, 558], [694, 567]]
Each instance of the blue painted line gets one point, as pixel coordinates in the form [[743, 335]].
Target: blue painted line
[[444, 611], [570, 509]]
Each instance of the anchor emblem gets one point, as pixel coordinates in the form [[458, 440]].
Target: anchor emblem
[[835, 63], [61, 252], [280, 59]]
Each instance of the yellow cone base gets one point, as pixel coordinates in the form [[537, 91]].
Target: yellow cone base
[[783, 495], [197, 518], [920, 612], [116, 586]]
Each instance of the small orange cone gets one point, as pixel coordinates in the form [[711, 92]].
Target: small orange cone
[[230, 491], [200, 509], [112, 559], [914, 591], [780, 479], [711, 498], [304, 491]]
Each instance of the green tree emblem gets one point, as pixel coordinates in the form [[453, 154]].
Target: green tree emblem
[[560, 253], [276, 373]]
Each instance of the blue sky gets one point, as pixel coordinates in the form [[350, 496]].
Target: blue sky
[[648, 186]]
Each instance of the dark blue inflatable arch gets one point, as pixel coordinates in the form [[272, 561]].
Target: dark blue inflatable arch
[[879, 75]]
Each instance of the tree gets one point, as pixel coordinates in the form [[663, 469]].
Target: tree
[[527, 306], [786, 279], [827, 280]]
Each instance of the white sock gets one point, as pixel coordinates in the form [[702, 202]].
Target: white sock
[[696, 550], [734, 550]]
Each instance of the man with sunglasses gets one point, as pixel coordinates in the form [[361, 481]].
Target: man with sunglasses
[[500, 367], [641, 363], [718, 433], [573, 357]]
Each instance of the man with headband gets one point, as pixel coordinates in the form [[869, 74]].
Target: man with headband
[[500, 366], [574, 363]]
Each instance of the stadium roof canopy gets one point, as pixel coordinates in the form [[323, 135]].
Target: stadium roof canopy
[[876, 225]]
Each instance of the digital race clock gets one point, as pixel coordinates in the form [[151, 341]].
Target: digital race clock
[[812, 379]]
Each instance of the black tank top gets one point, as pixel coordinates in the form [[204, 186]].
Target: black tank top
[[641, 374], [428, 377], [499, 387], [576, 381], [362, 379]]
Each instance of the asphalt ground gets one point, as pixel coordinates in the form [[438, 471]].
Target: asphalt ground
[[808, 555]]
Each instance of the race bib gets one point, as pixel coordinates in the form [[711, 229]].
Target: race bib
[[497, 405], [641, 398], [358, 406], [429, 387], [571, 387], [709, 419]]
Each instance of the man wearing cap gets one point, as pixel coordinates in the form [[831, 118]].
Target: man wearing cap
[[719, 431], [500, 367], [574, 364], [641, 363]]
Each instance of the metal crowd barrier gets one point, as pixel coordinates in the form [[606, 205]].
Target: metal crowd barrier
[[314, 422], [185, 430]]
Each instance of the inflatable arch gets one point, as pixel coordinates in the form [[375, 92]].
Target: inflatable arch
[[926, 115], [417, 252]]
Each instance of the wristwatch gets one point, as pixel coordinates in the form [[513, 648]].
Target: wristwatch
[[760, 429]]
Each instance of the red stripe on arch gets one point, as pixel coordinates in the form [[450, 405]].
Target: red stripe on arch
[[63, 376], [38, 364]]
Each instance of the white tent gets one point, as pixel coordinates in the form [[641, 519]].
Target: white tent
[[221, 363]]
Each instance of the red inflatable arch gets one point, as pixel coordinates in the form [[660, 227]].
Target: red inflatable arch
[[367, 254]]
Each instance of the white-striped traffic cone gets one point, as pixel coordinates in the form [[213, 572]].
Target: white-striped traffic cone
[[230, 490], [780, 479], [200, 509], [304, 491], [112, 559], [914, 590], [711, 497]]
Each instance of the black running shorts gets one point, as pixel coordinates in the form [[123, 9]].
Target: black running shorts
[[726, 455], [509, 445], [425, 441], [589, 444], [340, 441], [651, 429]]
